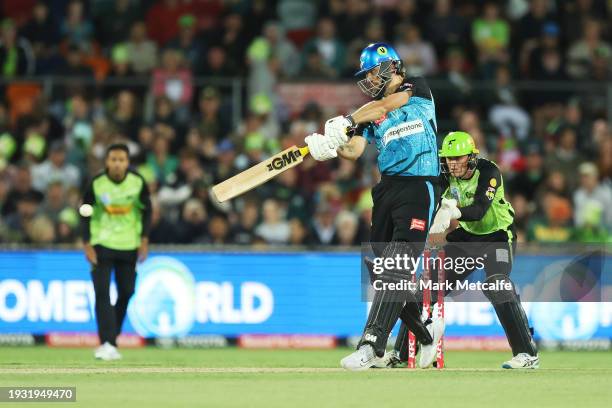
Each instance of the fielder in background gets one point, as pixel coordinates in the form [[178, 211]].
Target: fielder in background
[[474, 195], [115, 236], [401, 123]]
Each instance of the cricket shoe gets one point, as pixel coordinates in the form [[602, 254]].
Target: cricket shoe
[[362, 359], [428, 351], [387, 360], [107, 352], [522, 361]]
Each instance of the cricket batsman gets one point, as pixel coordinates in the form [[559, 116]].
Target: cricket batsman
[[401, 122], [474, 195]]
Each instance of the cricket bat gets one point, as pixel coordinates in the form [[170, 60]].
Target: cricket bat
[[260, 173]]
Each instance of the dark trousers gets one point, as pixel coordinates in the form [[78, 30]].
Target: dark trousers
[[401, 216], [108, 317]]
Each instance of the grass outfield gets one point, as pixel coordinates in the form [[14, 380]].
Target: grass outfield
[[290, 378]]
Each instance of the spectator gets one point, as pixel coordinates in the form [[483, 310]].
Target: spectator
[[298, 17], [21, 187], [581, 53], [527, 182], [522, 211], [172, 79], [244, 232], [126, 118], [162, 231], [55, 200], [535, 55], [187, 41], [17, 223], [75, 28], [55, 168], [280, 47], [81, 76], [232, 40], [347, 227], [67, 230], [323, 229], [531, 25], [120, 76], [40, 230], [79, 130], [273, 229], [592, 200], [142, 52], [491, 35], [554, 226], [330, 49], [446, 28], [16, 54], [226, 156], [565, 158], [192, 226], [457, 92], [114, 25], [210, 120], [218, 65], [403, 12], [418, 55], [506, 113], [555, 183], [162, 20], [356, 15], [42, 33], [299, 234], [161, 160], [218, 230]]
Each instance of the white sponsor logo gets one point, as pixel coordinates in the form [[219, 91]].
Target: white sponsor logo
[[405, 129], [502, 255], [370, 337]]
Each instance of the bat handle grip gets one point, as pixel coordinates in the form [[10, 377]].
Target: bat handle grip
[[304, 151]]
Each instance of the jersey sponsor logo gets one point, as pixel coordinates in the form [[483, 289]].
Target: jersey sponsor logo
[[493, 182], [279, 162], [418, 224], [118, 209], [370, 337], [405, 129]]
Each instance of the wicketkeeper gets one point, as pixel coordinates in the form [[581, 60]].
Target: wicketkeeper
[[474, 196], [401, 122]]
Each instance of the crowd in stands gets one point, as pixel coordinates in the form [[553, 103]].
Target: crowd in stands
[[529, 80]]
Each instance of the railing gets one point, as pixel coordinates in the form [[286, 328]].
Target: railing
[[233, 89]]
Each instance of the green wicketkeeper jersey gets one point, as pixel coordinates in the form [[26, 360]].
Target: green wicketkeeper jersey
[[121, 215], [481, 200]]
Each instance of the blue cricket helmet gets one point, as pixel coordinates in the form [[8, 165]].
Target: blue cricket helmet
[[374, 55]]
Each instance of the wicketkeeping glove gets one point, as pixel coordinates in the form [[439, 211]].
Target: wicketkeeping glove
[[448, 211]]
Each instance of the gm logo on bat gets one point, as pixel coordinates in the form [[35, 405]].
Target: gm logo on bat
[[279, 162]]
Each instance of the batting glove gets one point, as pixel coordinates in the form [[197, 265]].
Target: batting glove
[[336, 129], [321, 148]]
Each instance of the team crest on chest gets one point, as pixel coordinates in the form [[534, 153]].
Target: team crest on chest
[[455, 193]]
